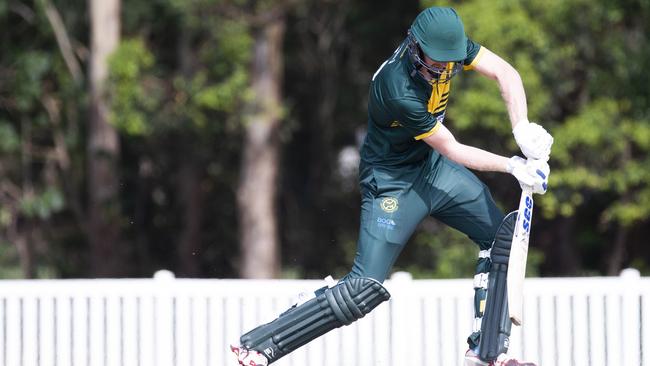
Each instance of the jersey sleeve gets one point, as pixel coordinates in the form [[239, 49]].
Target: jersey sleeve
[[414, 116], [474, 53]]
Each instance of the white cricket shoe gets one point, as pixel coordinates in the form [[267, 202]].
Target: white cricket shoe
[[249, 357], [472, 359]]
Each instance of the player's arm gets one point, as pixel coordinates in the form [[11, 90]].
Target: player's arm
[[532, 138], [532, 173], [428, 127], [512, 88], [474, 158]]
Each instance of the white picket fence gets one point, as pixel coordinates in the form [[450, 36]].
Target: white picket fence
[[187, 322]]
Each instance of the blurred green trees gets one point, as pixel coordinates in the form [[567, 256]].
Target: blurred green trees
[[180, 97], [39, 109], [583, 67]]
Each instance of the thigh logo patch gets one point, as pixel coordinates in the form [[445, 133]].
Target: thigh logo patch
[[385, 223], [389, 204]]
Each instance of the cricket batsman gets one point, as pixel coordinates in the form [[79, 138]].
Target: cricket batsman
[[412, 167]]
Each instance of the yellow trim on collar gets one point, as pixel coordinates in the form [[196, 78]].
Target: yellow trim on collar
[[439, 95], [431, 132], [481, 52]]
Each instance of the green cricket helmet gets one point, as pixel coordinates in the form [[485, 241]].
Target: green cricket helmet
[[439, 34]]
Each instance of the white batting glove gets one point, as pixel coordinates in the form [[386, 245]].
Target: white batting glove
[[530, 173], [533, 140]]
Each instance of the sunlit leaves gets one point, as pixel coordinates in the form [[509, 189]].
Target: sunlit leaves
[[234, 44], [131, 100], [204, 90], [225, 95], [600, 151], [42, 205]]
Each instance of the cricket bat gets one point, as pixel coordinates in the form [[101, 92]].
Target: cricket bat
[[518, 257]]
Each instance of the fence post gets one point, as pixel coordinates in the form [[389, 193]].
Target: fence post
[[163, 274], [401, 284], [629, 278], [164, 315]]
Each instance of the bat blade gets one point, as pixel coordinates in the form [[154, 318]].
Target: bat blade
[[519, 256]]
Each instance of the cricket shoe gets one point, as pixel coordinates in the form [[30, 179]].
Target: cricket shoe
[[248, 357], [472, 359]]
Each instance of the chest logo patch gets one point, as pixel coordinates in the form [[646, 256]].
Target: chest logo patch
[[389, 204]]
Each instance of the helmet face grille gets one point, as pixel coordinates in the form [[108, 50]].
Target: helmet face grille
[[441, 72]]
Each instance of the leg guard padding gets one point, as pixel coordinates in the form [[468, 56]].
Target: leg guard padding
[[496, 324], [337, 306]]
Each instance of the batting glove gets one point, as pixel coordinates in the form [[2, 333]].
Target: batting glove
[[531, 173], [533, 140]]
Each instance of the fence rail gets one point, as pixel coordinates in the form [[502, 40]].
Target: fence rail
[[188, 322]]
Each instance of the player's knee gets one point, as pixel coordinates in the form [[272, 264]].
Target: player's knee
[[490, 219], [365, 274]]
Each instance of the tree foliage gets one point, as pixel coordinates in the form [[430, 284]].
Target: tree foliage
[[582, 68], [180, 93]]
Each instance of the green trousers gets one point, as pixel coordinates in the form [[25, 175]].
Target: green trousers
[[396, 199]]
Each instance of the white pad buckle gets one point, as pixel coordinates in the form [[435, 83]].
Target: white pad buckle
[[481, 280]]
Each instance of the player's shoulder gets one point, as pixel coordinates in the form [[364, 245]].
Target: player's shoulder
[[397, 87], [409, 106], [391, 75]]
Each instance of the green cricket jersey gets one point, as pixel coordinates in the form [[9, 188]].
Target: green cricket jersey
[[404, 108]]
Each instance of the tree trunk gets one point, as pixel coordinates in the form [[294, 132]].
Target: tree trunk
[[19, 237], [618, 252], [103, 145], [256, 196], [617, 257], [192, 201], [142, 214], [189, 179]]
